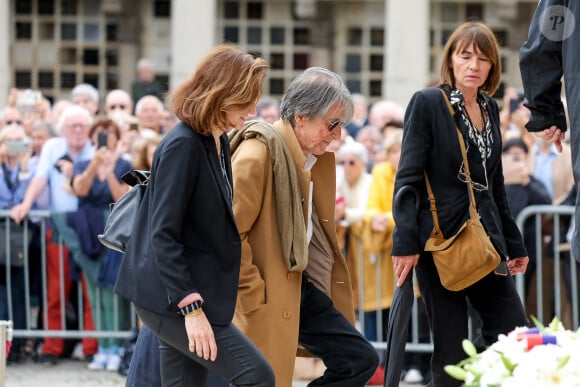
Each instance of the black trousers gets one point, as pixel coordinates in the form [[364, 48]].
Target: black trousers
[[494, 298], [238, 360], [349, 358]]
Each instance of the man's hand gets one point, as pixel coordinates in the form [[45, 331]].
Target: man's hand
[[552, 135], [518, 265]]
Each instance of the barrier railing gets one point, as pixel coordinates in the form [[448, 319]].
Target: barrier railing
[[565, 308], [37, 299]]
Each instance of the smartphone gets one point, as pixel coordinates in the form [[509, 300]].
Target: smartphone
[[102, 139], [515, 102], [19, 146]]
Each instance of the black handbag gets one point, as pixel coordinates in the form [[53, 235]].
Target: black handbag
[[119, 224], [14, 242]]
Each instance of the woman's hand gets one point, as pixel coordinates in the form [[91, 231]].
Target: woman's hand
[[379, 222], [200, 335], [517, 265], [403, 266]]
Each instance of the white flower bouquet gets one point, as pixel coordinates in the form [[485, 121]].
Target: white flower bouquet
[[530, 357]]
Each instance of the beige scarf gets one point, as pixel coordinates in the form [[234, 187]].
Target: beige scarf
[[291, 225]]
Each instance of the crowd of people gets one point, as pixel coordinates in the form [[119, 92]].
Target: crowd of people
[[226, 196]]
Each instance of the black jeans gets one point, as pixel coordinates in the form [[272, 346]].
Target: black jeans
[[238, 359], [349, 358]]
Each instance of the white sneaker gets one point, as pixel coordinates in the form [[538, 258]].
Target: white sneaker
[[413, 376], [77, 353], [113, 362], [99, 362]]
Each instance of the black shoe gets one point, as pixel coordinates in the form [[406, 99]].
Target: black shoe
[[15, 356], [48, 359]]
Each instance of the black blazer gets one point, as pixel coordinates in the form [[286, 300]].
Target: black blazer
[[430, 143], [185, 237]]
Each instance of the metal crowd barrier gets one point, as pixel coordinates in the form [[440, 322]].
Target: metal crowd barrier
[[557, 212], [31, 329]]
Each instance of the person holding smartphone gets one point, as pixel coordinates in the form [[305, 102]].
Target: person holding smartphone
[[14, 179], [98, 183]]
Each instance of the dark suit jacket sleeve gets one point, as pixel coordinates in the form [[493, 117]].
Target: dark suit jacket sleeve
[[417, 139], [541, 69], [176, 170]]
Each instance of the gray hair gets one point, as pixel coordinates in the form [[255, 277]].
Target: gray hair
[[87, 90], [44, 124], [144, 63], [14, 128], [312, 93], [266, 102], [354, 148], [73, 110], [148, 97]]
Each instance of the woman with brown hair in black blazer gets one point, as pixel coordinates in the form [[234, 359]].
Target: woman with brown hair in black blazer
[[470, 72], [182, 263]]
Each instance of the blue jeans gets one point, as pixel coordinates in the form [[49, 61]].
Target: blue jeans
[[238, 360]]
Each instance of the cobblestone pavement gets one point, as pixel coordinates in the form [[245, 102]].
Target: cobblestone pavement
[[71, 373]]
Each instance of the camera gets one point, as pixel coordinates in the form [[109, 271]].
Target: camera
[[18, 146], [27, 99], [65, 157]]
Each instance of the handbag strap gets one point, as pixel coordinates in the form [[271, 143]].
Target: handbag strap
[[432, 204]]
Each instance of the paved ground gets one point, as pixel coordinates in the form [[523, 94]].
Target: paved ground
[[71, 373]]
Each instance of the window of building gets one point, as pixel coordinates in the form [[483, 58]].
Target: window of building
[[91, 79], [69, 7], [277, 35], [112, 32], [162, 8], [23, 31], [353, 86], [277, 61], [277, 86], [354, 36], [68, 31], [45, 79], [231, 10], [231, 34], [46, 7], [301, 36], [91, 32], [377, 37], [68, 55], [22, 79], [301, 61], [68, 80], [255, 10], [353, 63], [474, 11], [376, 62], [23, 7], [375, 88], [254, 35], [46, 31], [90, 57]]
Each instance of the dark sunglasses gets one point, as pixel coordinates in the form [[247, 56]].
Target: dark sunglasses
[[333, 124], [10, 122], [349, 162], [115, 106]]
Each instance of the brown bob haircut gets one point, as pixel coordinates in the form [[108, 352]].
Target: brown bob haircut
[[484, 40], [226, 78], [106, 123]]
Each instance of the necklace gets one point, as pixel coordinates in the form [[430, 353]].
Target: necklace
[[482, 117]]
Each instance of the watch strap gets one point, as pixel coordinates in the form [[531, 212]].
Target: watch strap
[[196, 305]]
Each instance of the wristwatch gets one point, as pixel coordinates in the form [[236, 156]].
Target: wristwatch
[[187, 309]]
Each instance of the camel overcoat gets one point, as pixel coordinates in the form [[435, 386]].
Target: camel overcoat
[[268, 306]]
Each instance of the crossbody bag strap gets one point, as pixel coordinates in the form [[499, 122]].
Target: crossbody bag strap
[[432, 204]]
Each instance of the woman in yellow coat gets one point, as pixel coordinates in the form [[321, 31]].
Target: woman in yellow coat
[[377, 266]]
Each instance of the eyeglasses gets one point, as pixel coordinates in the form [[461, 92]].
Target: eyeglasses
[[117, 106], [462, 176], [80, 126], [10, 122], [331, 125], [347, 162]]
